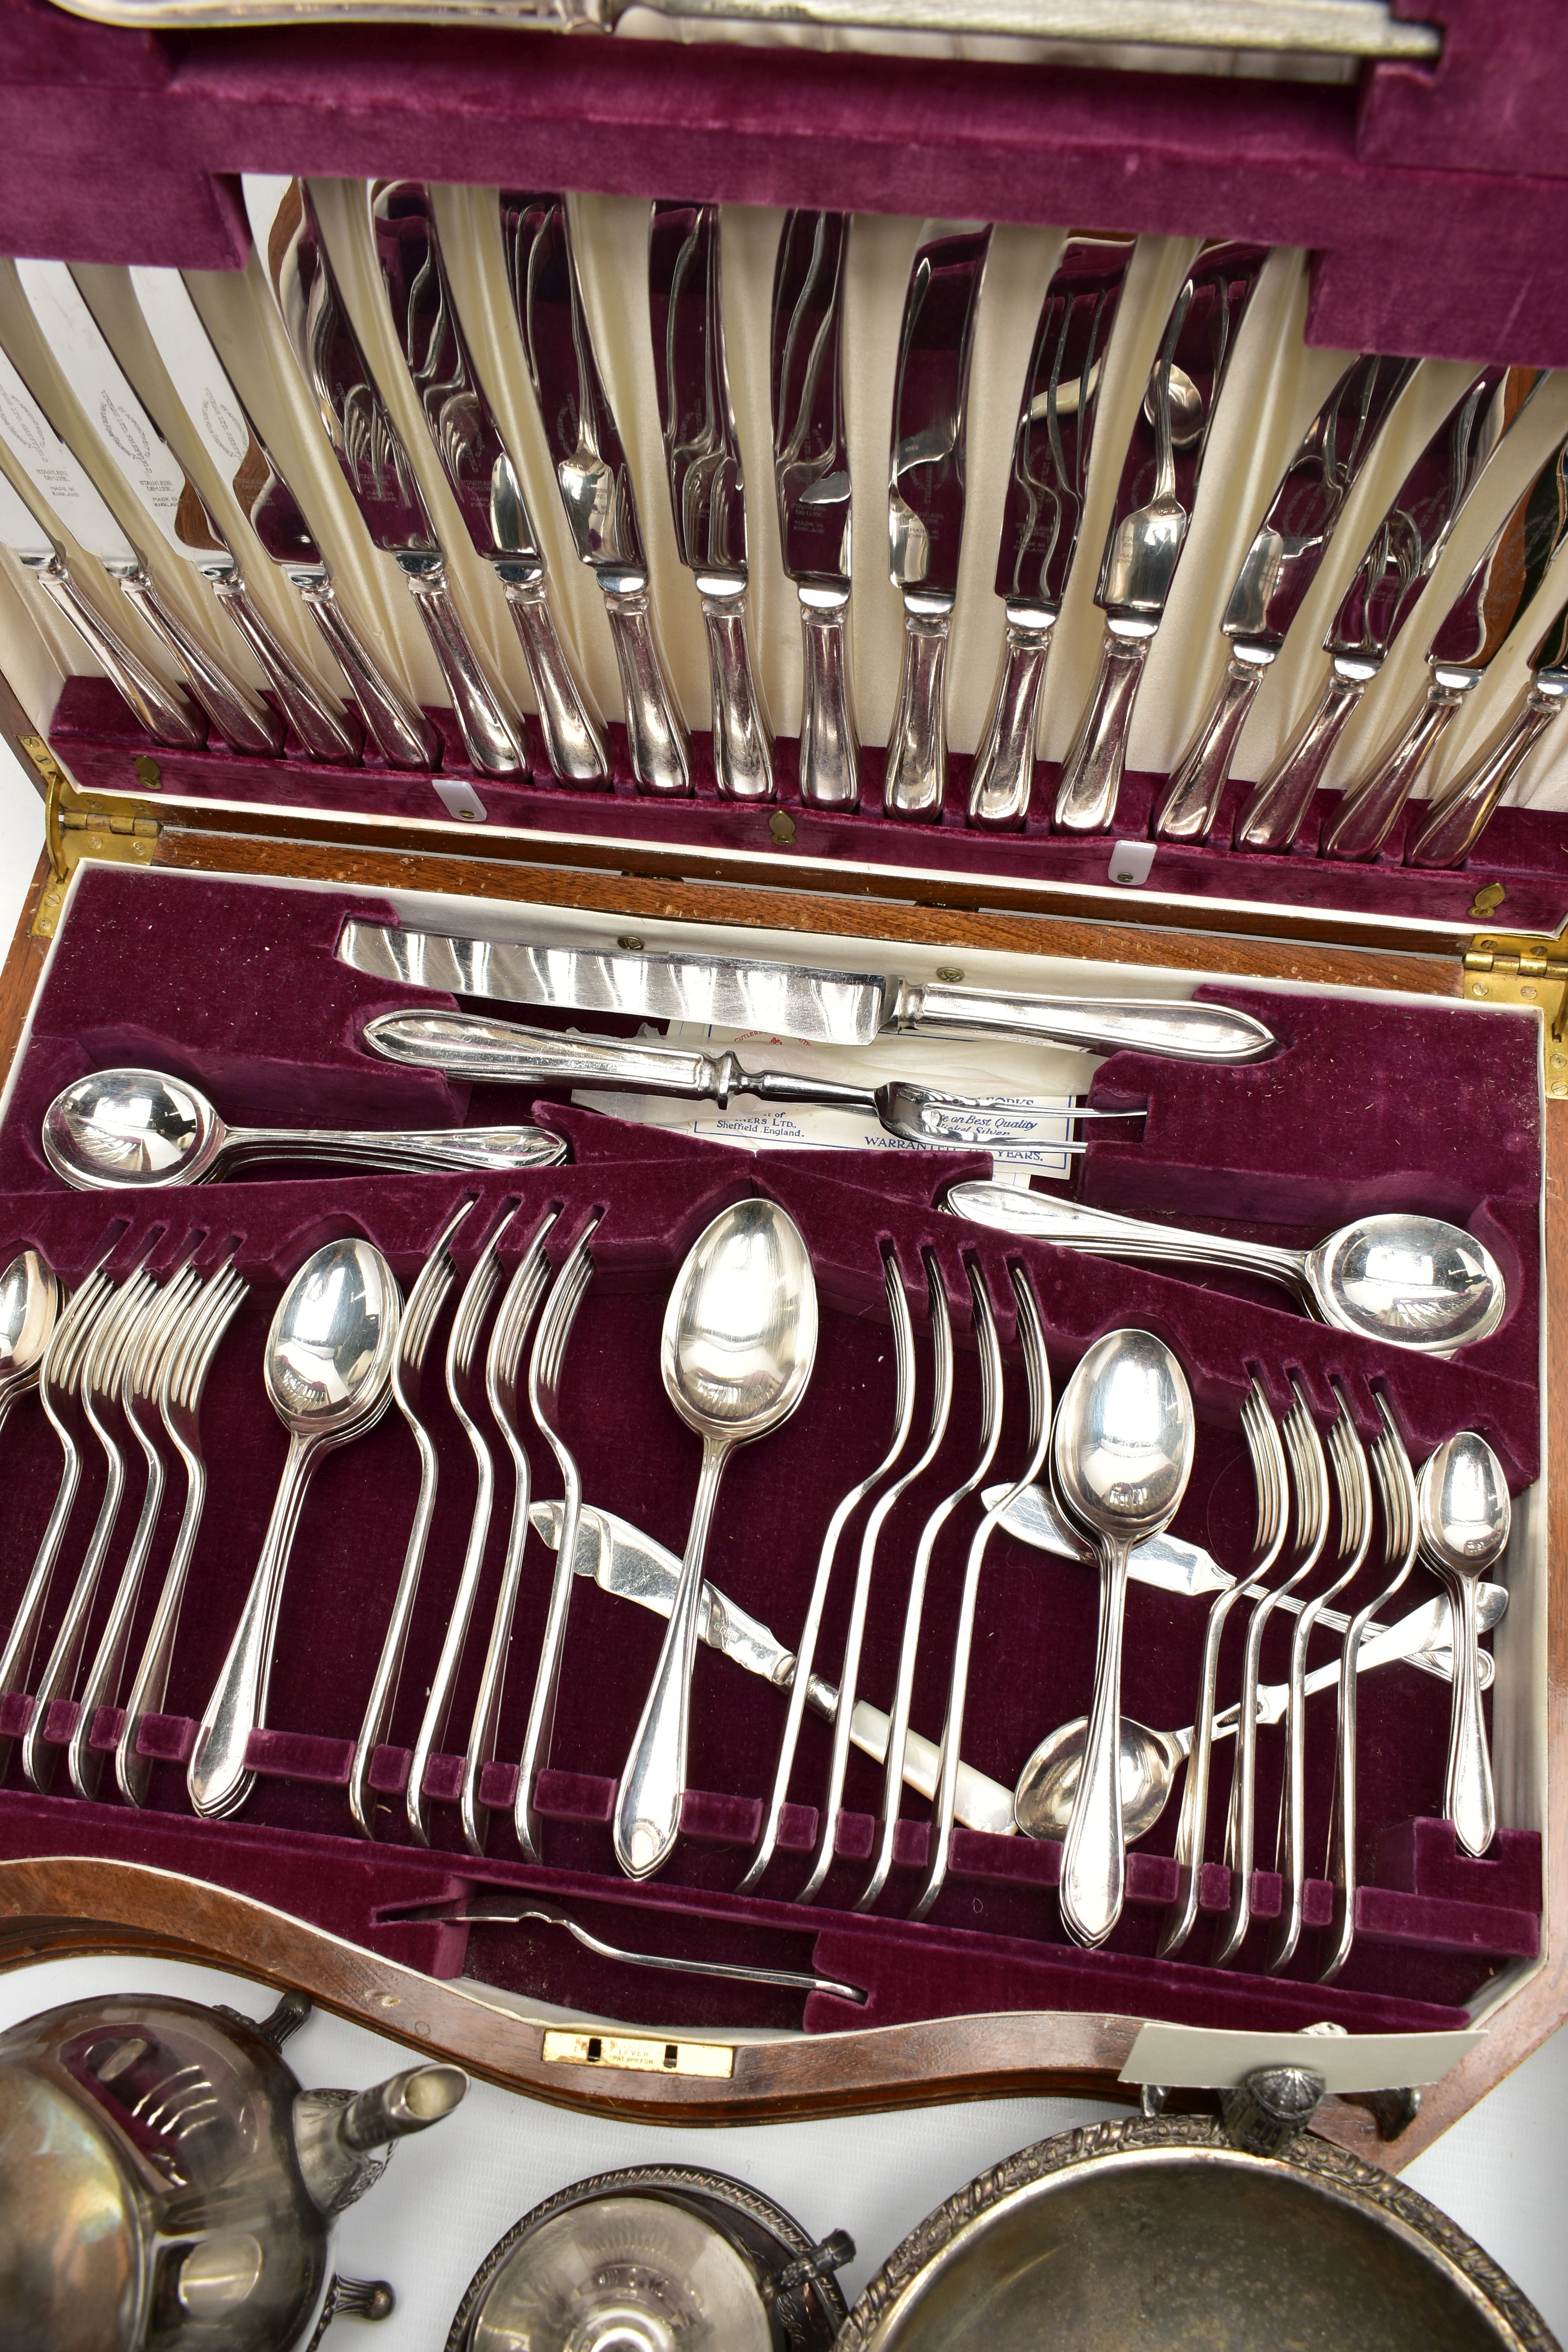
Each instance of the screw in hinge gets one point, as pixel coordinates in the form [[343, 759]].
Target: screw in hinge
[[630, 943], [953, 974]]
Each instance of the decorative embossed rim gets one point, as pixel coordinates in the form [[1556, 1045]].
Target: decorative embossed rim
[[682, 2180], [1388, 2197]]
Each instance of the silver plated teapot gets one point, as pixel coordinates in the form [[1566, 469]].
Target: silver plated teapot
[[167, 2186]]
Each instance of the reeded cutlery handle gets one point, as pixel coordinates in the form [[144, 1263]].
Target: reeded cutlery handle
[[572, 740], [167, 716], [1369, 811], [1103, 1233], [491, 745], [1192, 804], [322, 727], [1276, 809], [655, 732], [829, 743], [1090, 784], [1004, 773], [1185, 1031], [399, 727], [742, 739], [245, 726], [915, 778], [1452, 825]]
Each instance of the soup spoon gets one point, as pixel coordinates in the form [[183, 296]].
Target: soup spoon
[[30, 1302], [121, 1129], [1463, 1515], [1043, 1799], [1121, 1453], [1412, 1281], [328, 1374], [739, 1344]]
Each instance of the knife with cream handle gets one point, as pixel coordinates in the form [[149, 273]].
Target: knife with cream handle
[[175, 508], [625, 1561], [233, 441], [827, 1008], [167, 717]]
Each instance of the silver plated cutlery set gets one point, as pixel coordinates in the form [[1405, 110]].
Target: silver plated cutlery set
[[1159, 472]]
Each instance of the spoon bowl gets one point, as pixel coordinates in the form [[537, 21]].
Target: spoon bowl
[[1043, 1799], [30, 1303]]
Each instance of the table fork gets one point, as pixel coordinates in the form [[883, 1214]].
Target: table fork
[[180, 1390]]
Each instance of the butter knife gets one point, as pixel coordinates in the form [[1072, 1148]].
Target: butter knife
[[593, 476], [158, 485], [621, 1560], [230, 436], [168, 718], [925, 500], [1160, 476], [830, 1008], [371, 456], [1456, 822], [474, 459], [707, 485], [1385, 589], [1279, 567], [1044, 513], [1469, 638], [811, 474]]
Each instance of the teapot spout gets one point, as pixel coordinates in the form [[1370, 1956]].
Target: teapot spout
[[335, 2131]]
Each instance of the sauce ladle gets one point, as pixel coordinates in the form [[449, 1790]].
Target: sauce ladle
[[140, 1129], [1412, 1281]]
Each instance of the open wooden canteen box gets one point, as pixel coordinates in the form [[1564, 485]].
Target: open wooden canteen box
[[1223, 274]]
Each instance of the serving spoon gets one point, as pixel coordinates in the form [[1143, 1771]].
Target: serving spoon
[[124, 1129], [1463, 1515], [1412, 1281], [328, 1374], [30, 1301], [739, 1344], [1122, 1455]]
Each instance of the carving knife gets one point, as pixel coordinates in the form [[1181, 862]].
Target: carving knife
[[707, 486], [622, 1560], [1386, 587], [232, 440], [370, 456], [1456, 822], [925, 500], [1279, 567], [1468, 640], [830, 1008], [158, 484], [811, 476], [473, 457], [1159, 486], [72, 498], [1044, 513], [593, 476]]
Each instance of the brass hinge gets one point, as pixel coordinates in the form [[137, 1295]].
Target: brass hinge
[[79, 825], [1533, 972]]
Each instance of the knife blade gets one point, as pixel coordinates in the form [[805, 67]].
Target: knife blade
[[166, 716], [468, 440], [234, 442], [1160, 472], [811, 477], [1467, 639], [370, 456], [158, 484], [1278, 569], [831, 1008], [1384, 590], [925, 500], [592, 475], [620, 1559], [1043, 510], [1456, 818], [707, 481]]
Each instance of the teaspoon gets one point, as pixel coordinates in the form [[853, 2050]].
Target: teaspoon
[[121, 1130], [1122, 1455], [739, 1344], [30, 1302], [328, 1375], [1464, 1513], [1412, 1281]]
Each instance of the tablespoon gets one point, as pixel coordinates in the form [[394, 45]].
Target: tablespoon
[[121, 1130], [1465, 1516], [1042, 1801], [31, 1298], [1122, 1455], [328, 1376], [737, 1351], [1412, 1281]]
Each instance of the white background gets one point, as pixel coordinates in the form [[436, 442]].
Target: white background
[[1502, 2173]]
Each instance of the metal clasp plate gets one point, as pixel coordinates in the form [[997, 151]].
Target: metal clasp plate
[[638, 2053]]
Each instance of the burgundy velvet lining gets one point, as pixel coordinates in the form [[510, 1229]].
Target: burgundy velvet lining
[[1361, 175], [235, 984], [1525, 850]]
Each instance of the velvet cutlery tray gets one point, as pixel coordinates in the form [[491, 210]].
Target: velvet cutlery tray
[[1369, 1102]]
